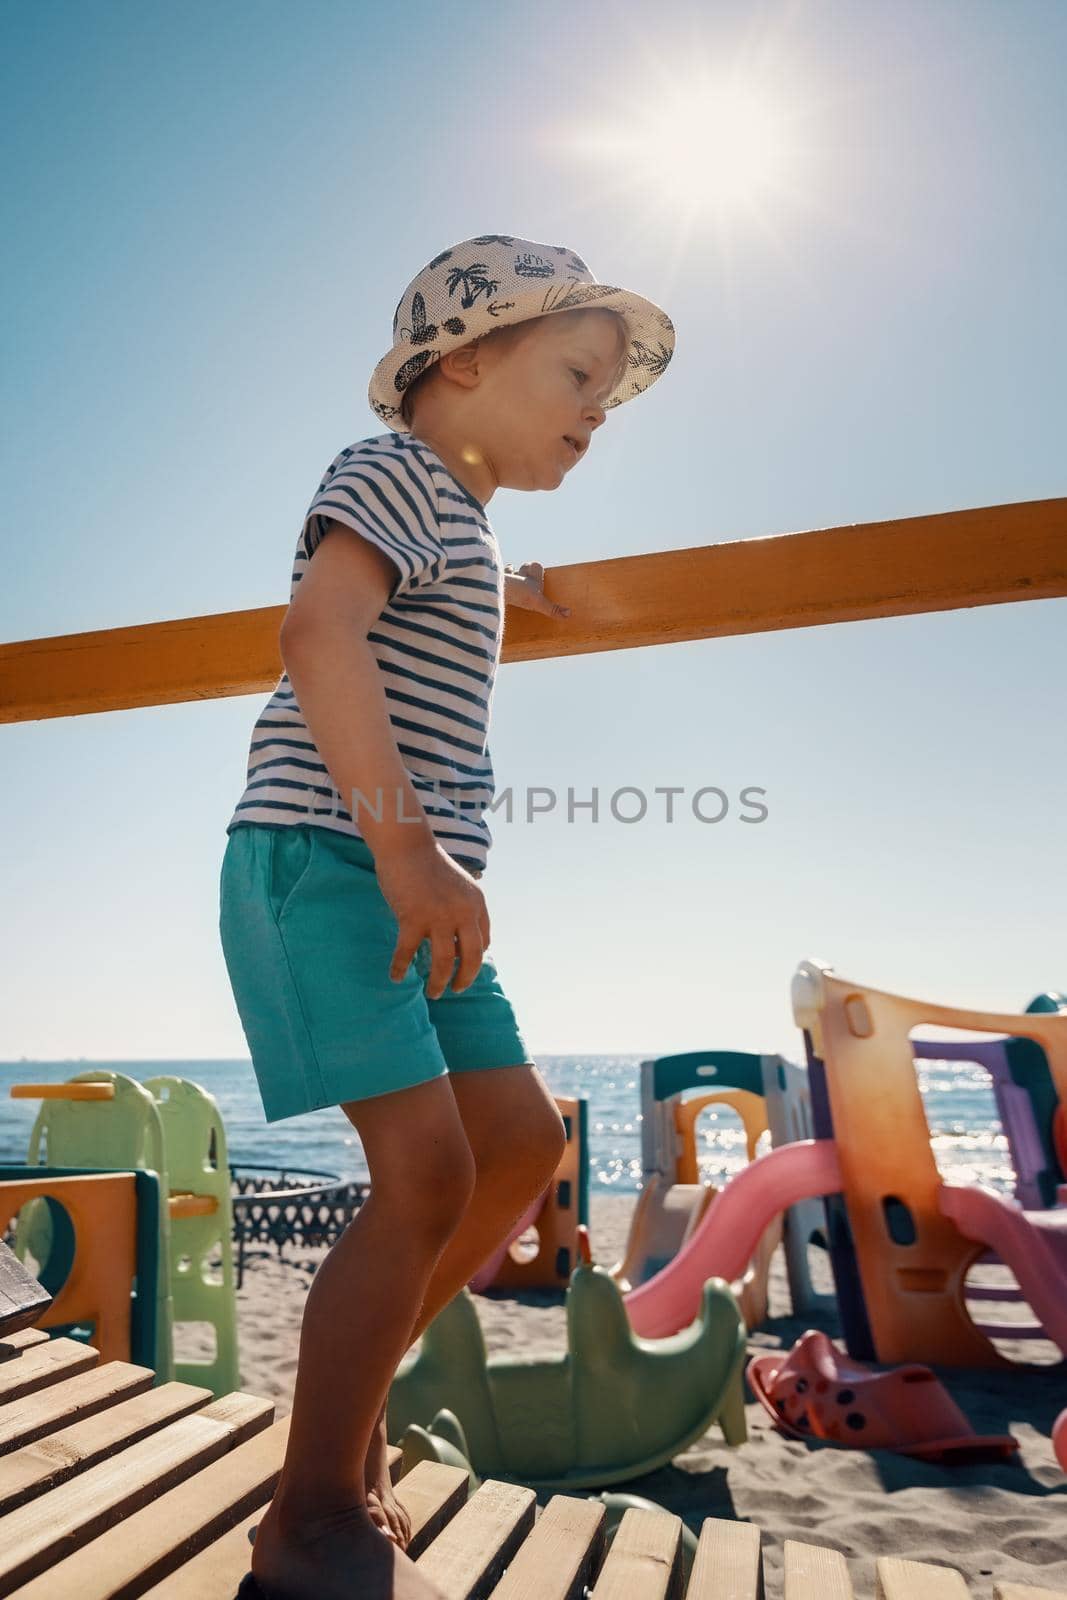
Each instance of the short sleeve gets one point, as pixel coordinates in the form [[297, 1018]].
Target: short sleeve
[[391, 500]]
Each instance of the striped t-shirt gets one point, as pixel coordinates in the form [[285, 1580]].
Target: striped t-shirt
[[437, 644]]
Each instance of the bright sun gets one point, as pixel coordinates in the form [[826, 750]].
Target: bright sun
[[712, 148]]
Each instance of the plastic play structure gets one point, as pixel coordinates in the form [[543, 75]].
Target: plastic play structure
[[814, 1392], [673, 1196], [789, 1114], [901, 1240], [170, 1127], [103, 1267], [1026, 1103], [730, 1231], [547, 1260], [612, 1407], [768, 1094], [673, 1199], [1028, 1108]]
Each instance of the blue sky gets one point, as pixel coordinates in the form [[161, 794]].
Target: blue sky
[[213, 213]]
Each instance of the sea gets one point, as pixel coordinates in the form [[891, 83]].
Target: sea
[[965, 1130]]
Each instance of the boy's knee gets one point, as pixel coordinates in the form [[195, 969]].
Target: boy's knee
[[530, 1158]]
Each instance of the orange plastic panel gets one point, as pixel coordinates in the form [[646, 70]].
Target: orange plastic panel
[[751, 1108], [557, 1224], [103, 1211], [913, 1291]]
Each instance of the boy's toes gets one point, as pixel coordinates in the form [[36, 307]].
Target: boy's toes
[[379, 1517]]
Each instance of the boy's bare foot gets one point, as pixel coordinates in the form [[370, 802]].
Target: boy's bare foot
[[388, 1515], [382, 1503], [334, 1558]]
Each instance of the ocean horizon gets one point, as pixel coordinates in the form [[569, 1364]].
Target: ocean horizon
[[966, 1135]]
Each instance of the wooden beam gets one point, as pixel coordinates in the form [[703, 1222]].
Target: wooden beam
[[986, 556]]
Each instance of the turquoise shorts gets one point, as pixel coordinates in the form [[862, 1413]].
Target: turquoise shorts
[[308, 939]]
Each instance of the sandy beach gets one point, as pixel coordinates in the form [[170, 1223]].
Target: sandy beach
[[992, 1522]]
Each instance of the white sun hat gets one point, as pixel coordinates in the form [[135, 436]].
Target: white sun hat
[[495, 279]]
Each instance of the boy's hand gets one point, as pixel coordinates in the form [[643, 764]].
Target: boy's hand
[[432, 897], [525, 587]]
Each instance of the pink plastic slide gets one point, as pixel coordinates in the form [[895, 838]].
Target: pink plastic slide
[[1032, 1243], [489, 1269], [730, 1230]]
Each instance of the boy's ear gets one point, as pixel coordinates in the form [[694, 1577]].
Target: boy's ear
[[463, 366]]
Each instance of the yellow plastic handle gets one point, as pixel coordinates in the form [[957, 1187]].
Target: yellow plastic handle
[[184, 1204], [62, 1091]]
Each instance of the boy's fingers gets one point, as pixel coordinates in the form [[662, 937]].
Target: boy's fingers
[[444, 961], [406, 945], [471, 950]]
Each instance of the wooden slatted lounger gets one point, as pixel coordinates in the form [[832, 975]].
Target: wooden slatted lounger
[[110, 1487]]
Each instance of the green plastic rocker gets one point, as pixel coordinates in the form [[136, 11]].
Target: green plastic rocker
[[614, 1407], [443, 1441]]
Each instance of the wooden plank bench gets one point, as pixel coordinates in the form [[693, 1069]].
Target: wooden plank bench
[[111, 1487]]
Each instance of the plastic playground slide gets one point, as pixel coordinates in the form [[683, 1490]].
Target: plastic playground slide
[[1032, 1243], [729, 1232], [483, 1278], [664, 1217]]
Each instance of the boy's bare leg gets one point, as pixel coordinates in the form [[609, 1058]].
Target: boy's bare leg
[[488, 1221], [516, 1136], [317, 1537]]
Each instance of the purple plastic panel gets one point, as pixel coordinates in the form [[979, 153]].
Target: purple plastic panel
[[1013, 1105]]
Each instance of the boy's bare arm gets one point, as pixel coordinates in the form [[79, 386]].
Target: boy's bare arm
[[339, 689]]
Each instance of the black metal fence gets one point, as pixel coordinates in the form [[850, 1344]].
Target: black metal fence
[[283, 1206], [280, 1206]]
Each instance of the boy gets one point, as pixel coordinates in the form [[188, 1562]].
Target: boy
[[352, 923]]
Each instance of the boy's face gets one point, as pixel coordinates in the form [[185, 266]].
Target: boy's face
[[512, 403], [548, 385]]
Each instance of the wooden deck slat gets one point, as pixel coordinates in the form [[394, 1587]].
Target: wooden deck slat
[[13, 1344], [431, 1494], [1026, 1591], [48, 1462], [917, 1580], [216, 1572], [45, 1363], [471, 1552], [815, 1573], [728, 1563], [561, 1554], [71, 1400], [22, 1299], [170, 1514], [645, 1559], [156, 1539], [37, 1533]]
